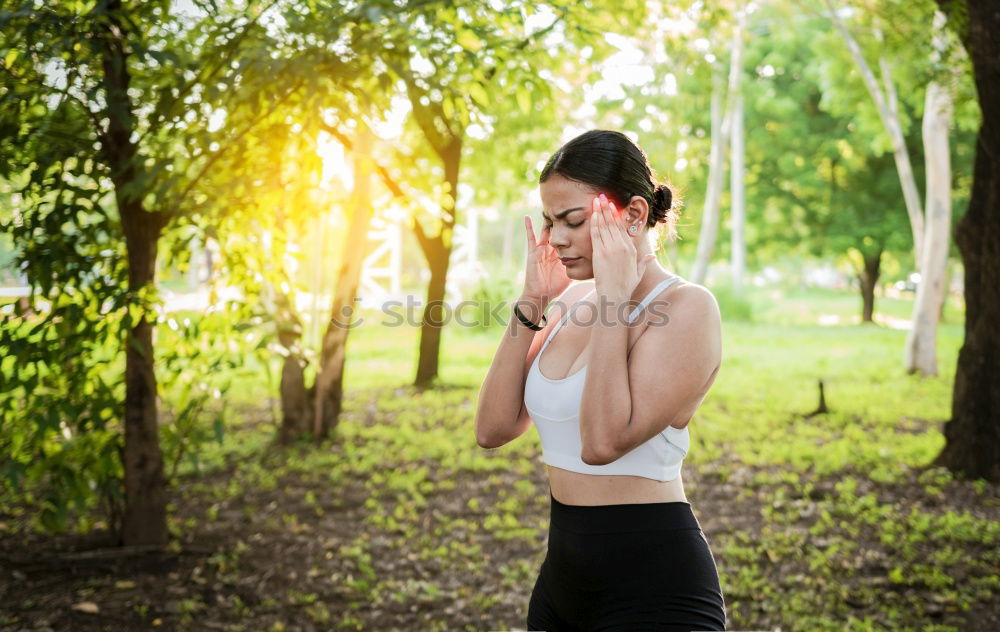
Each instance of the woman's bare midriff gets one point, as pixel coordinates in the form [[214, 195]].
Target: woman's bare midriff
[[574, 488]]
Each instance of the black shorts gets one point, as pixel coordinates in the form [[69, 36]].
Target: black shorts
[[626, 567]]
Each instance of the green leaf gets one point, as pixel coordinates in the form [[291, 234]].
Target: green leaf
[[163, 57], [524, 99], [469, 41], [478, 94]]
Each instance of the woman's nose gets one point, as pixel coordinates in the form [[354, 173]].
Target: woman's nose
[[557, 237]]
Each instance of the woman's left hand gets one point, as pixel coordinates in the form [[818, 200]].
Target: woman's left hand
[[617, 270]]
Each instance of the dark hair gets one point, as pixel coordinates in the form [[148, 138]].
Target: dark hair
[[610, 162]]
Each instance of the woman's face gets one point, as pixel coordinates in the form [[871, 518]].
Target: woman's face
[[566, 208]]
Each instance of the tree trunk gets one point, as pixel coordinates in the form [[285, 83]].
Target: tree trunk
[[296, 399], [432, 321], [437, 250], [145, 517], [736, 189], [329, 388], [972, 435], [947, 289], [921, 341], [716, 168], [145, 514], [868, 277], [710, 216]]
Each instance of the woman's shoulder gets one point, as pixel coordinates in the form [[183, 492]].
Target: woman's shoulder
[[699, 295], [696, 305], [689, 291], [687, 300], [686, 314]]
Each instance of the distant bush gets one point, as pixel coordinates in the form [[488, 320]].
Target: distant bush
[[488, 294], [734, 306]]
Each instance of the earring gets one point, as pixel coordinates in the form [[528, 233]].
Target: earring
[[633, 229]]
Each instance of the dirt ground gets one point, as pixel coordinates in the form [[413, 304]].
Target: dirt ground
[[236, 565]]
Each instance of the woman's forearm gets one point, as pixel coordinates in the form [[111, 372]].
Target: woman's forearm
[[606, 405], [502, 392]]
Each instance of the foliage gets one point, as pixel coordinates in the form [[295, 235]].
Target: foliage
[[68, 174], [492, 298], [734, 305], [820, 179]]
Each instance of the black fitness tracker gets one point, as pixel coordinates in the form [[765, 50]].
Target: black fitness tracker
[[527, 323]]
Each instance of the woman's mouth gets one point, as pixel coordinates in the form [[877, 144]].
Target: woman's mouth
[[568, 261]]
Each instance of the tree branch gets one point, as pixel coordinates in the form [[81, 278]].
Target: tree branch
[[528, 40], [387, 179], [230, 48], [67, 94], [422, 239], [424, 114], [887, 83], [229, 143], [855, 49], [886, 107], [428, 116]]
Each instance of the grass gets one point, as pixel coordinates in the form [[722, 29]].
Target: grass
[[831, 522], [882, 428]]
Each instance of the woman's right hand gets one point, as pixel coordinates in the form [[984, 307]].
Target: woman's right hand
[[544, 274]]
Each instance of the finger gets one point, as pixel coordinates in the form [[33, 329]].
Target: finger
[[546, 237], [596, 232], [620, 220], [616, 232], [607, 221], [610, 221], [530, 231], [625, 224], [616, 225]]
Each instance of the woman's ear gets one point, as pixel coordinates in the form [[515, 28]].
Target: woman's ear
[[637, 211]]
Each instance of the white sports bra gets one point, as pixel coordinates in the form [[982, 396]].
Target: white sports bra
[[554, 407]]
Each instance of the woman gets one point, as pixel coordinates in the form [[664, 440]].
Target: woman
[[611, 396]]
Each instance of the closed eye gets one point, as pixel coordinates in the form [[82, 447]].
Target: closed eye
[[549, 226]]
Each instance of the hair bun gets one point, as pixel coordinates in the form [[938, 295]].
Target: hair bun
[[663, 197]]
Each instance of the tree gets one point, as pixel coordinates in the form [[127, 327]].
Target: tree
[[930, 232], [108, 136], [920, 354], [330, 379], [274, 185], [817, 186], [469, 56], [972, 434], [444, 103], [722, 127], [887, 106], [737, 189]]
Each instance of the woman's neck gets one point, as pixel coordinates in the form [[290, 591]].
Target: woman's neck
[[651, 276]]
